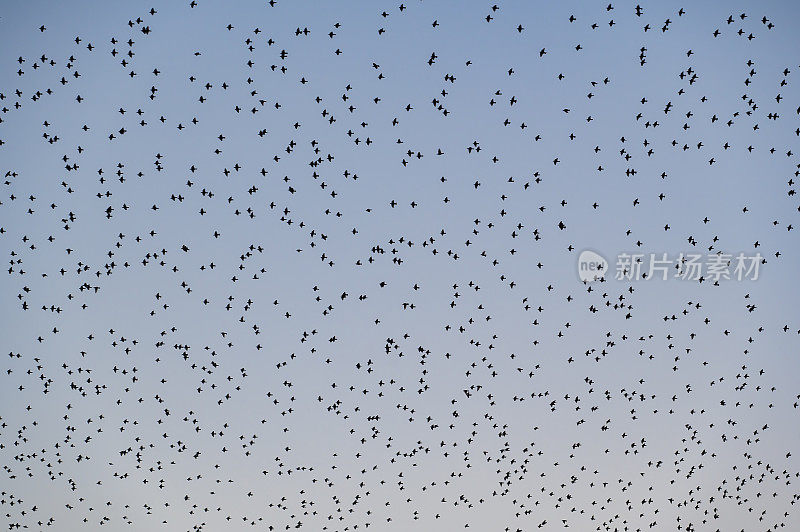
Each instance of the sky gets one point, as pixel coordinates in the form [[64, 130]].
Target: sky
[[264, 278]]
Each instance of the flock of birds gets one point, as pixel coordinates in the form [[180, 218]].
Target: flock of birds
[[282, 266]]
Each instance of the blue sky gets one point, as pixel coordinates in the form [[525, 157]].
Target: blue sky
[[632, 390]]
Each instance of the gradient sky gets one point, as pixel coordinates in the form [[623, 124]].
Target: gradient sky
[[616, 376]]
